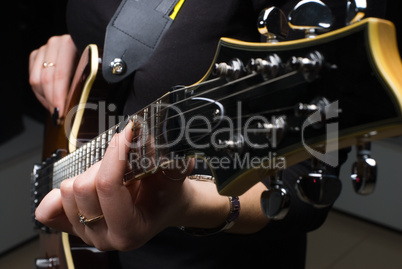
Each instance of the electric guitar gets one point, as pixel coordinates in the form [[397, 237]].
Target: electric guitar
[[261, 107]]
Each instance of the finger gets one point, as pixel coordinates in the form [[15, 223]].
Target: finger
[[35, 71], [32, 57], [111, 190], [50, 212], [67, 58], [70, 206], [87, 200], [47, 76]]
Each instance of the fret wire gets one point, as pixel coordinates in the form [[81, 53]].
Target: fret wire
[[87, 156], [74, 163], [62, 168], [109, 138], [55, 172], [97, 145], [83, 158], [79, 160], [144, 137], [92, 157], [65, 171], [103, 144], [84, 152], [157, 120], [70, 165], [66, 168]]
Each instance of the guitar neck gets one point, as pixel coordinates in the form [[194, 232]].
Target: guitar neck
[[145, 155]]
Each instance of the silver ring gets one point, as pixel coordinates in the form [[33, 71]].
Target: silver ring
[[84, 220]]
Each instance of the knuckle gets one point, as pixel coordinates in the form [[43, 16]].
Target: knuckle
[[41, 216], [81, 186], [87, 241], [103, 184], [34, 80], [65, 188], [46, 78], [123, 244], [52, 40], [68, 39], [103, 246]]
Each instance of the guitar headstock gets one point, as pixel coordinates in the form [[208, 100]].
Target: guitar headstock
[[294, 100], [263, 107]]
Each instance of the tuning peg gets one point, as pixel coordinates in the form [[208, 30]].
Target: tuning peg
[[269, 67], [229, 71], [364, 171], [311, 16], [272, 24], [318, 188], [311, 65], [274, 130], [275, 201], [355, 10]]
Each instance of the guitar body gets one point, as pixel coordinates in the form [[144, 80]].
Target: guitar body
[[355, 71]]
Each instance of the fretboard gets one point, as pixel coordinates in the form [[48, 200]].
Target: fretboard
[[147, 138], [81, 159]]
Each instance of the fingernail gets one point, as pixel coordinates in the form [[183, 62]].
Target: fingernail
[[55, 116], [123, 124]]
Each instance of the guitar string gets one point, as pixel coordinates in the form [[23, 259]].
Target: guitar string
[[234, 94], [74, 173], [113, 128], [150, 144], [183, 100], [147, 145], [221, 99]]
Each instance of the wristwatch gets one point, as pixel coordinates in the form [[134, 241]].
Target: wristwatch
[[234, 213]]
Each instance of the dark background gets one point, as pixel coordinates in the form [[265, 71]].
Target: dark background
[[25, 26]]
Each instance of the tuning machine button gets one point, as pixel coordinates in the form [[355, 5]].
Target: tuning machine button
[[318, 188], [272, 24], [364, 170], [311, 16], [275, 201], [355, 10]]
